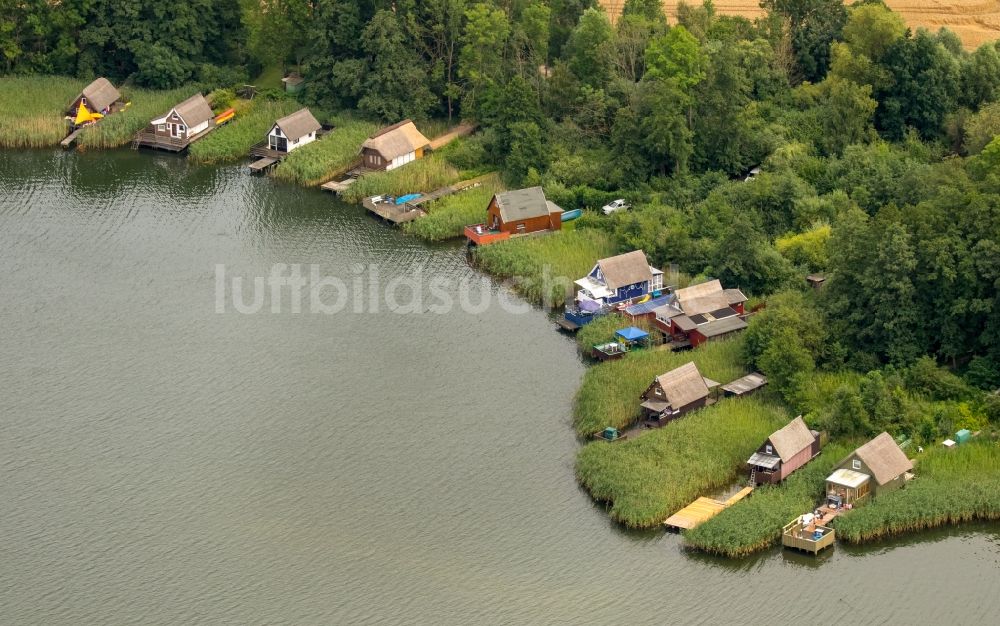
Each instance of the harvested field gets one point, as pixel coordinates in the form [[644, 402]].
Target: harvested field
[[974, 21]]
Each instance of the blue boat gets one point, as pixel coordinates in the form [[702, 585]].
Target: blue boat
[[571, 215]]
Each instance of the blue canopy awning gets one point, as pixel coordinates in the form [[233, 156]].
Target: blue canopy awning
[[632, 333]]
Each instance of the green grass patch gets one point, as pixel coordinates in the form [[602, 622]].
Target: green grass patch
[[270, 78], [545, 266], [32, 109], [321, 160], [447, 217], [649, 478], [952, 486], [609, 395], [119, 129], [233, 140], [421, 176], [755, 523], [602, 330]]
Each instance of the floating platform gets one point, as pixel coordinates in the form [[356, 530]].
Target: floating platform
[[703, 509], [261, 165], [811, 537], [568, 326]]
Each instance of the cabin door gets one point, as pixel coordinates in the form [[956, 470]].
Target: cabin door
[[282, 144], [175, 130]]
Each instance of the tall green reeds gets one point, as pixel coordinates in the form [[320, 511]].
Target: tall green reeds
[[420, 176], [609, 395], [755, 523], [33, 108], [448, 217], [250, 126], [647, 479], [544, 266], [328, 157], [952, 486]]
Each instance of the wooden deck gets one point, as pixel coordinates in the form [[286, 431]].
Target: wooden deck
[[703, 509], [261, 165], [797, 537], [391, 212]]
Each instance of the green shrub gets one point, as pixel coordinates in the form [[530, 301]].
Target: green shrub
[[649, 478], [603, 329]]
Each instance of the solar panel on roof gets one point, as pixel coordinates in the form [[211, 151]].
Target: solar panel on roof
[[698, 319], [723, 313]]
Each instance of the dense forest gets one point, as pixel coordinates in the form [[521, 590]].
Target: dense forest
[[877, 146]]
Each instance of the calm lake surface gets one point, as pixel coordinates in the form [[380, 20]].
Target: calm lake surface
[[164, 463]]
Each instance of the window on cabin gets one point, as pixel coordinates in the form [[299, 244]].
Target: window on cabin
[[161, 127], [658, 392], [768, 449], [856, 464], [520, 228]]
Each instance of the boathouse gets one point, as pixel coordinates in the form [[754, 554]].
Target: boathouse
[[879, 466], [97, 99], [745, 385], [180, 126], [620, 279], [702, 312], [293, 131], [785, 451], [516, 212], [393, 146], [675, 393]]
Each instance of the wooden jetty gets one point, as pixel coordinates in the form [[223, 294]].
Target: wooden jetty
[[702, 510], [392, 212], [70, 138], [147, 139]]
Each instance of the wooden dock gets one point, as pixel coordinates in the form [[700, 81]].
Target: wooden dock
[[702, 510], [807, 538], [392, 212], [146, 139], [261, 165], [70, 138]]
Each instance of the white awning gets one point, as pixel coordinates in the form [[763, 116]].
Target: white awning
[[595, 289], [848, 478], [767, 461]]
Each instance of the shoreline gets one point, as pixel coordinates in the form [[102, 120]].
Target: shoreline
[[497, 264]]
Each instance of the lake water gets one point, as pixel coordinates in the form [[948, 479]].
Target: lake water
[[162, 462]]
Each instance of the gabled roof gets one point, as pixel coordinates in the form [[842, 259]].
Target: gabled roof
[[523, 204], [700, 290], [625, 269], [298, 124], [704, 304], [100, 94], [193, 111], [793, 438], [683, 385], [884, 458], [396, 140]]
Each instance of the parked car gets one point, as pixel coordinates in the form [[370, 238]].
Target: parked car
[[615, 206]]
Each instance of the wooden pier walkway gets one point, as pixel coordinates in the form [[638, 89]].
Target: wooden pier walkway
[[702, 510], [70, 138]]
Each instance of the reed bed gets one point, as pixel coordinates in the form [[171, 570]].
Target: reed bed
[[448, 217], [952, 486], [32, 109], [332, 155], [146, 104], [647, 479], [609, 394], [543, 267], [754, 524], [421, 176], [233, 141], [603, 329]]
